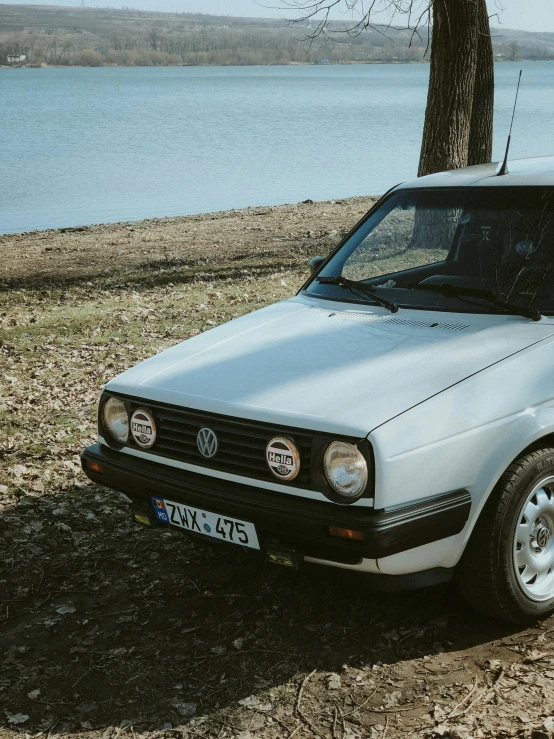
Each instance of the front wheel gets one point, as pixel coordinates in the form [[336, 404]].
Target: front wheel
[[507, 570]]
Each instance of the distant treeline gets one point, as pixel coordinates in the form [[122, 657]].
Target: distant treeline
[[208, 46], [86, 37]]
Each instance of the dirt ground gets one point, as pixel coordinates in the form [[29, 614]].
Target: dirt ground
[[109, 629]]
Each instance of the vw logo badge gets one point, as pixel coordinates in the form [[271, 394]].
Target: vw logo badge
[[543, 536], [207, 443]]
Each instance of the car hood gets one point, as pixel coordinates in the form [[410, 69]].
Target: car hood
[[327, 366]]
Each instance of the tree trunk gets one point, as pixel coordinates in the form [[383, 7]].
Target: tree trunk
[[448, 116], [480, 135]]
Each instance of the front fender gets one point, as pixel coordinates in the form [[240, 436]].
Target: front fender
[[464, 438]]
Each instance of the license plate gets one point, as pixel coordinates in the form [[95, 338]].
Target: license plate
[[207, 523]]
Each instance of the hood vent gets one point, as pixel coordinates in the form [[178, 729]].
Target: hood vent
[[428, 324], [359, 317]]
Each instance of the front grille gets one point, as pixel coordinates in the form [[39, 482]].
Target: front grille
[[242, 443]]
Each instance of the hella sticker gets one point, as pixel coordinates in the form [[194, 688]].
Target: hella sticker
[[283, 458], [143, 428]]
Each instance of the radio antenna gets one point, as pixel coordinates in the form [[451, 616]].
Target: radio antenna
[[504, 168]]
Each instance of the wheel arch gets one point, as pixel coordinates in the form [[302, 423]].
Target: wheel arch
[[540, 443], [541, 440]]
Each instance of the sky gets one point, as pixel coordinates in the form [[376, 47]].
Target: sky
[[526, 15]]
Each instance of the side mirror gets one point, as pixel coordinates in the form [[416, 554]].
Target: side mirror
[[315, 264]]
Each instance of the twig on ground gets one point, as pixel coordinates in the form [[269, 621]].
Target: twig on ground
[[342, 721], [193, 583], [485, 694], [83, 675], [362, 705], [335, 719], [274, 667], [299, 711], [464, 699], [115, 613], [136, 677], [225, 723], [23, 613], [273, 718], [301, 690], [397, 709]]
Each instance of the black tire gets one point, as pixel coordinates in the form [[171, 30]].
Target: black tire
[[486, 575]]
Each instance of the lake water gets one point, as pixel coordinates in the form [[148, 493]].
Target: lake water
[[82, 146]]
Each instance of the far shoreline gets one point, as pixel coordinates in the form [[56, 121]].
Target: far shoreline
[[222, 66], [239, 66]]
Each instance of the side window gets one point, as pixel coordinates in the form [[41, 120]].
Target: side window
[[406, 238], [383, 249]]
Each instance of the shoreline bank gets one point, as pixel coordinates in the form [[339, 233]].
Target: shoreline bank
[[233, 240]]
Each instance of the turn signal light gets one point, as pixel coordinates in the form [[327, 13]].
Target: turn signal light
[[350, 534], [94, 466], [144, 520]]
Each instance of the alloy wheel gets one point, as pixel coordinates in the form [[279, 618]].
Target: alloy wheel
[[533, 547]]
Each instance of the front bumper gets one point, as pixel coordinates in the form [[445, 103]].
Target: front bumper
[[284, 519]]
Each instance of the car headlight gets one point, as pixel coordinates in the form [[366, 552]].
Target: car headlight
[[345, 469], [116, 420]]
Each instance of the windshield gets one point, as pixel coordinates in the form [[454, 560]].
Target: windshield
[[496, 239]]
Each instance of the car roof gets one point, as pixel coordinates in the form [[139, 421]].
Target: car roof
[[521, 172]]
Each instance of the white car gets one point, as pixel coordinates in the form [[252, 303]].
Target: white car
[[395, 417]]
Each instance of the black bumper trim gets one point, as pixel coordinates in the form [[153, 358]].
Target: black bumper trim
[[410, 581], [287, 518]]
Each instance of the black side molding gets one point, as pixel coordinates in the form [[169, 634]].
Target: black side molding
[[413, 526]]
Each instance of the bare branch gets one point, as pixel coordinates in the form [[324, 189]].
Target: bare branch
[[363, 17]]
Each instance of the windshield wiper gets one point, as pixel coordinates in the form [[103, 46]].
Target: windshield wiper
[[456, 291], [361, 287]]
